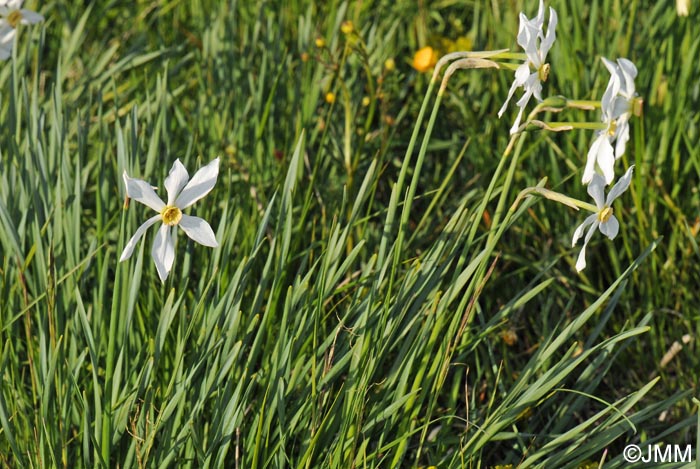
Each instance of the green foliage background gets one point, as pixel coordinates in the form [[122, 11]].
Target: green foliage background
[[311, 337]]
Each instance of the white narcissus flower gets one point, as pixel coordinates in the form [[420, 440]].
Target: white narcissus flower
[[617, 107], [12, 14], [531, 74], [603, 219], [181, 194]]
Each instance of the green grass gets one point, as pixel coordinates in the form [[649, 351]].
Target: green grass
[[372, 303]]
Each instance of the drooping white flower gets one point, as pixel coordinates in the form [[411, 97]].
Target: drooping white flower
[[182, 192], [617, 107], [603, 219], [531, 74], [12, 14]]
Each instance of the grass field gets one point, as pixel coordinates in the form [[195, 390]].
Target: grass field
[[388, 288]]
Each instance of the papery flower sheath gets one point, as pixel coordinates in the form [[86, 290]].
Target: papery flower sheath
[[531, 74], [603, 219], [182, 192], [12, 14], [617, 106]]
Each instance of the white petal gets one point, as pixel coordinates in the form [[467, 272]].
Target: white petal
[[521, 74], [163, 251], [539, 19], [592, 157], [533, 87], [14, 4], [623, 135], [606, 160], [581, 261], [610, 228], [176, 180], [528, 41], [513, 87], [611, 90], [129, 248], [516, 124], [5, 53], [579, 229], [7, 36], [201, 183], [527, 32], [30, 17], [629, 72], [141, 191], [610, 65], [596, 189], [551, 34], [199, 230], [620, 187]]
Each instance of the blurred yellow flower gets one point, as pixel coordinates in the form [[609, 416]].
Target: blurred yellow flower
[[320, 42], [424, 59], [330, 97], [389, 65], [462, 43], [347, 27]]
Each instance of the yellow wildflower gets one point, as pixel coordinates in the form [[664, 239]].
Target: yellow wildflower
[[424, 59]]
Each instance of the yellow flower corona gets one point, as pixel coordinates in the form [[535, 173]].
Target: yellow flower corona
[[14, 18], [171, 215], [605, 214]]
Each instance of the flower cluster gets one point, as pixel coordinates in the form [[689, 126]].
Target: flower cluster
[[12, 14], [618, 104], [535, 70], [616, 108]]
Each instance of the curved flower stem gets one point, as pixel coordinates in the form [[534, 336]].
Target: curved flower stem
[[398, 188]]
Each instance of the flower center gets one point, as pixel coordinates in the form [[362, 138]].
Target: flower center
[[543, 72], [14, 18], [612, 128], [171, 215], [605, 214]]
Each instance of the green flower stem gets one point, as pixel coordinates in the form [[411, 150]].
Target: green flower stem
[[111, 347], [406, 211], [583, 104], [492, 185], [476, 57], [506, 186], [561, 198], [578, 125], [508, 66], [394, 200]]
